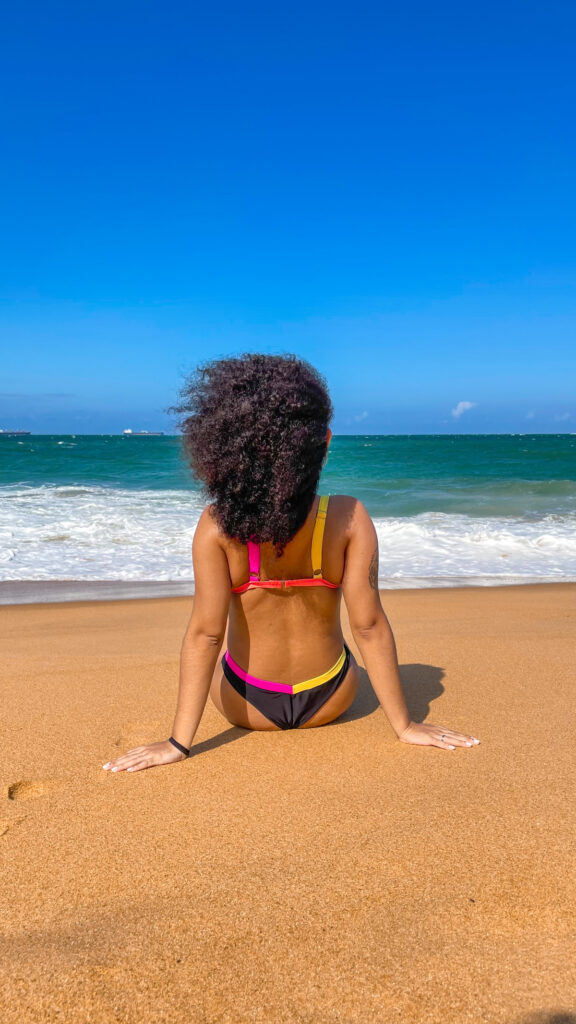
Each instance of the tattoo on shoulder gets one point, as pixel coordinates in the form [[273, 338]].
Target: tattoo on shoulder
[[373, 571]]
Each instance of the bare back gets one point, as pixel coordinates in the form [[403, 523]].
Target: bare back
[[293, 632]]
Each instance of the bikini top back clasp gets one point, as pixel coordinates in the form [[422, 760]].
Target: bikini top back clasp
[[316, 580]]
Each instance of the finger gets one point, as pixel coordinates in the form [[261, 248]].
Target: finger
[[123, 763], [444, 740], [119, 760], [459, 739], [127, 766], [139, 766]]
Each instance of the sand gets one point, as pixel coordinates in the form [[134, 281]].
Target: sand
[[323, 875]]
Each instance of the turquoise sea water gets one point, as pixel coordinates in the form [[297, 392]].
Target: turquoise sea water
[[447, 508]]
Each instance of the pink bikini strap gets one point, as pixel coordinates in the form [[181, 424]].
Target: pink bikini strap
[[254, 559]]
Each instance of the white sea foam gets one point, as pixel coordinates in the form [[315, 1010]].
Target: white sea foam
[[99, 533], [436, 544]]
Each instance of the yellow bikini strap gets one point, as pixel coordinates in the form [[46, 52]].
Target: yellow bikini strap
[[318, 535]]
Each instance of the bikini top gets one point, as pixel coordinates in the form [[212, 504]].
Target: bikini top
[[316, 580]]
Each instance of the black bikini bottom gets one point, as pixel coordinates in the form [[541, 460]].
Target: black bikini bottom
[[287, 710]]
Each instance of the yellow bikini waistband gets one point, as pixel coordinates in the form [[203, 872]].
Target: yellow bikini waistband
[[309, 684]]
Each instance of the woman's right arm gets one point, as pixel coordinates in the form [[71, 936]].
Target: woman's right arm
[[373, 635]]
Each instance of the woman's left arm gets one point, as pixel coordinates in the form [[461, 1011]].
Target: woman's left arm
[[200, 649]]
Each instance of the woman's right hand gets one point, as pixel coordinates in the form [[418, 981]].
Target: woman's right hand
[[426, 735], [135, 760]]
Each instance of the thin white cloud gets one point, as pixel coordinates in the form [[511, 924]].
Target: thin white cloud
[[563, 416], [37, 394], [361, 416], [462, 407]]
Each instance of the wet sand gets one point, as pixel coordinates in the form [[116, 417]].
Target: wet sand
[[315, 876]]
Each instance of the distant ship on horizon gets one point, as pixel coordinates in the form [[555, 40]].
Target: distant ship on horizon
[[13, 433], [144, 433]]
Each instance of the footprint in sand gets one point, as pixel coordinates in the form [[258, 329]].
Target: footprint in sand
[[138, 734], [30, 789], [8, 823]]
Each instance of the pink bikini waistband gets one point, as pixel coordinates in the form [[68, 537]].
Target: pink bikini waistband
[[264, 684]]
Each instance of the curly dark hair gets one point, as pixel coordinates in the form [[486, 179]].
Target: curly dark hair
[[254, 432]]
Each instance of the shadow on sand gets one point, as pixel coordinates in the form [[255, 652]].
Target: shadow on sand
[[421, 685], [547, 1017]]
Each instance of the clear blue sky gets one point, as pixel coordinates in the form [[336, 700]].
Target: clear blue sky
[[384, 189]]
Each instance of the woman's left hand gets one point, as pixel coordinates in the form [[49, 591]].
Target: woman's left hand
[[134, 760], [427, 735]]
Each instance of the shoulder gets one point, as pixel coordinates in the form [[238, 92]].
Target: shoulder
[[207, 528], [349, 513]]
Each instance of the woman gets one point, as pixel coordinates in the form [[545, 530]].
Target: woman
[[272, 558]]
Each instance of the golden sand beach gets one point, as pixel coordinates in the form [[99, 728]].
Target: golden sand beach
[[316, 876]]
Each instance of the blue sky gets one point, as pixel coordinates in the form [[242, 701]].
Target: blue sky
[[387, 192]]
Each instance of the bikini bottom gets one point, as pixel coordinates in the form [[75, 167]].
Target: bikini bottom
[[287, 706]]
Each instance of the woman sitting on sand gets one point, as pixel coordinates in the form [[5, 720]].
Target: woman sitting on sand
[[273, 558]]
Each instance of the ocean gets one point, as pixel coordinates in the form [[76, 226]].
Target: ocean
[[449, 510]]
